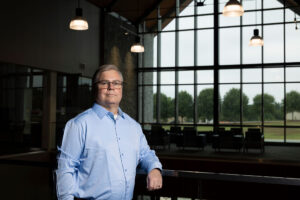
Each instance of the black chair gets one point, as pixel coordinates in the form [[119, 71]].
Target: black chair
[[237, 131], [232, 139], [254, 139], [175, 133], [238, 138], [147, 134], [192, 139], [216, 137], [158, 137], [208, 135]]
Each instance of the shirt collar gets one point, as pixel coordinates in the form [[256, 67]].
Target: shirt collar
[[101, 111]]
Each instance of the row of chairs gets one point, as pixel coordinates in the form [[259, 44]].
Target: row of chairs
[[235, 139], [189, 137]]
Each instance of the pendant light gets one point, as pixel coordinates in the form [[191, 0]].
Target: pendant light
[[79, 23], [233, 8], [137, 47], [256, 40]]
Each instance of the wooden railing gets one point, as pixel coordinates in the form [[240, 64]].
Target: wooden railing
[[209, 185]]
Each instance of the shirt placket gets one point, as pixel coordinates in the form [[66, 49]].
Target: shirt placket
[[121, 153]]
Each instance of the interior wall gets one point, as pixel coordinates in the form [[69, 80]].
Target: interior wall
[[117, 51], [36, 33]]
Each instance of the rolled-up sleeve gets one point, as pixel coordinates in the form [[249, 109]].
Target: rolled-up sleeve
[[147, 158], [68, 160]]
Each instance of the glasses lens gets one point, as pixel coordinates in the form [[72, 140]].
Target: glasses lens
[[114, 84]]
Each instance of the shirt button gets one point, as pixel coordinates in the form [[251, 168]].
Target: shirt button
[[119, 138], [125, 170], [122, 154]]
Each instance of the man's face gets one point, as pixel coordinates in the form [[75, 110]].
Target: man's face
[[109, 90]]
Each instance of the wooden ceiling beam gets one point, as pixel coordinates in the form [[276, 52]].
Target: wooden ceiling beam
[[111, 5], [293, 3], [147, 12]]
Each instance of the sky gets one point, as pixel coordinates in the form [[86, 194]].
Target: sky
[[273, 50]]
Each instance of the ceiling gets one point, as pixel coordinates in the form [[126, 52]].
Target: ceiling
[[137, 11]]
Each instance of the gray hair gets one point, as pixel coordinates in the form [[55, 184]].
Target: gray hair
[[104, 68]]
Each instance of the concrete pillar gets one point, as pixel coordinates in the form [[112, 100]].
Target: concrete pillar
[[49, 110]]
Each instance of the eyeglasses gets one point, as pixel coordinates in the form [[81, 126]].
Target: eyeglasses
[[107, 84]]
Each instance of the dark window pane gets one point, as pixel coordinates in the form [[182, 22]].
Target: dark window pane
[[37, 81]]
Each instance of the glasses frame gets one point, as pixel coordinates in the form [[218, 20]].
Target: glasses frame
[[104, 84]]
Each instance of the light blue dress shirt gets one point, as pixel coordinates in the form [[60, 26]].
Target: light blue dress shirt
[[99, 155]]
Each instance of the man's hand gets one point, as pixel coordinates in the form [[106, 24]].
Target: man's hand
[[154, 180]]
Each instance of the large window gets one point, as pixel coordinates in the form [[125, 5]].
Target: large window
[[74, 95], [256, 86], [21, 108]]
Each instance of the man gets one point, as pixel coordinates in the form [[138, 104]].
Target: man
[[102, 147]]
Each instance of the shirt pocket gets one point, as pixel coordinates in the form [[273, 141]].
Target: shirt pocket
[[94, 173]]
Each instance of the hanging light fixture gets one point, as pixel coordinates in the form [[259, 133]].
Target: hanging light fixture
[[256, 40], [79, 23], [137, 47], [233, 8]]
